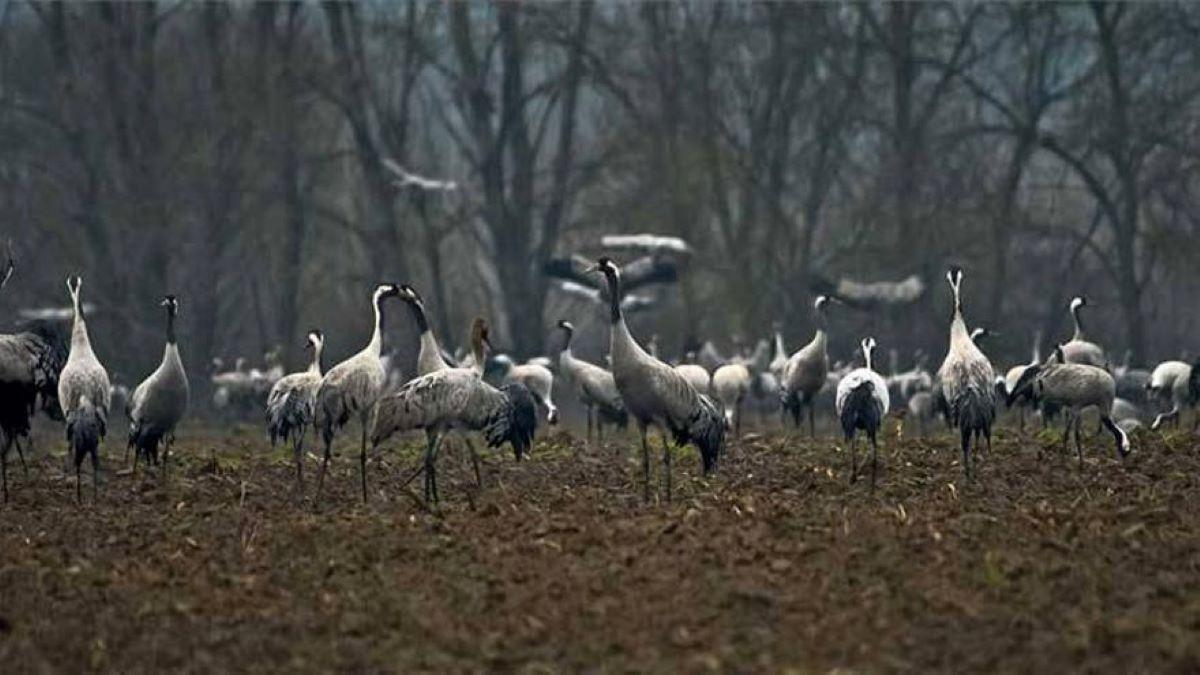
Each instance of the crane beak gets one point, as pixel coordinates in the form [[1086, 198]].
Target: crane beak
[[594, 269]]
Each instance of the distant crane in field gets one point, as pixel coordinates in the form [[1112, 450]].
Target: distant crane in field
[[731, 384], [352, 388], [84, 394], [595, 386], [654, 393], [1080, 349], [967, 379], [805, 372], [291, 405], [862, 402], [160, 401]]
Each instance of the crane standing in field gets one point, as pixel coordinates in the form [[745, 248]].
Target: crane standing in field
[[595, 387], [457, 398], [1080, 349], [84, 394], [805, 372], [1074, 387], [655, 393], [292, 401], [967, 379], [352, 388], [862, 402], [160, 401]]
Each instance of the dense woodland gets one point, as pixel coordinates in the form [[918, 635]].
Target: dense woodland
[[234, 154]]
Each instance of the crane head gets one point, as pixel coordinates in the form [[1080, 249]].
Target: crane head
[[1077, 302], [954, 275], [314, 339], [171, 303], [566, 325]]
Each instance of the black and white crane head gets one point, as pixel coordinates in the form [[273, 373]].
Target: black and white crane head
[[314, 340], [955, 276], [383, 291]]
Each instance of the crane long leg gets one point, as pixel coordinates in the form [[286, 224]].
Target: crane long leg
[[874, 459], [1078, 432], [4, 466], [589, 423], [474, 461], [854, 457], [362, 459], [666, 460], [298, 454], [966, 451], [645, 463], [324, 468], [21, 456], [1066, 429], [434, 439], [95, 473]]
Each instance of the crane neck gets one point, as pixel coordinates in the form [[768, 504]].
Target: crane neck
[[780, 350], [1079, 335], [376, 345], [568, 335], [171, 338], [479, 352], [614, 297], [418, 312], [79, 332], [314, 366]]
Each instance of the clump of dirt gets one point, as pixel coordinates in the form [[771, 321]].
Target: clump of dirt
[[555, 563]]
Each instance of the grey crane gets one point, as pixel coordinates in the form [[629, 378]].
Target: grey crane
[[1080, 349], [654, 393], [804, 374], [595, 387], [731, 384], [862, 402], [291, 405], [967, 379], [1075, 387], [429, 357], [352, 388], [536, 377], [457, 398], [160, 401], [84, 394]]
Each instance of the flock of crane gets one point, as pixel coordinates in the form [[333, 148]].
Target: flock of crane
[[39, 370]]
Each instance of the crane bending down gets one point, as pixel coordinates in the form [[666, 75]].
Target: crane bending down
[[457, 398], [655, 393]]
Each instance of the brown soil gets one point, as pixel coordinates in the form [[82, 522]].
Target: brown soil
[[557, 565]]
